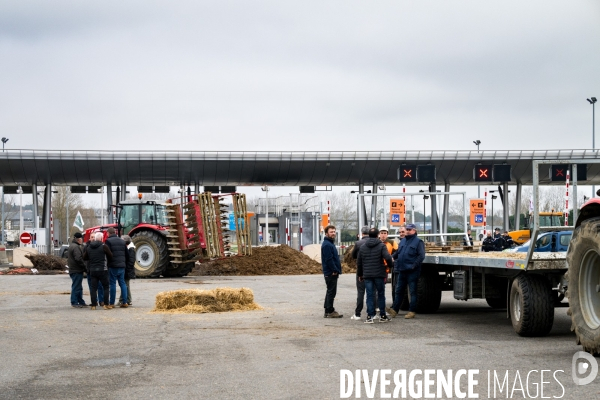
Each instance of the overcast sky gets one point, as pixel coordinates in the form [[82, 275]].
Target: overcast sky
[[309, 75]]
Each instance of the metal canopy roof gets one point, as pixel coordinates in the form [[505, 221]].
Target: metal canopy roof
[[174, 168]]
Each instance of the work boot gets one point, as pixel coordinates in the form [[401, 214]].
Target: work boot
[[124, 305], [410, 315], [92, 307], [392, 313], [106, 307], [333, 315], [111, 306]]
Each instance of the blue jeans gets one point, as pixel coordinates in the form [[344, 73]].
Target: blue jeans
[[100, 288], [372, 284], [410, 278], [117, 274], [77, 289]]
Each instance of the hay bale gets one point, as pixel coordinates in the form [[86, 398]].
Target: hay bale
[[205, 301]]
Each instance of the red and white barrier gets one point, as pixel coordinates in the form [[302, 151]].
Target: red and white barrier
[[567, 200]]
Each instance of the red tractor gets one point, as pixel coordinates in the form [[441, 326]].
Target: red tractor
[[169, 238]]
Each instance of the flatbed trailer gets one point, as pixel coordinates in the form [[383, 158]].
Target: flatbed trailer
[[529, 286]]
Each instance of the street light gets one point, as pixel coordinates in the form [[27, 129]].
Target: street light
[[20, 192], [477, 143], [592, 101], [2, 238], [266, 190], [493, 198], [425, 197]]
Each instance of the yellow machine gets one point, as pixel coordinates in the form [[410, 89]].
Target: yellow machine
[[546, 219]]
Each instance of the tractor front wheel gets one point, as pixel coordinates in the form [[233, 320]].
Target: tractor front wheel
[[151, 254]]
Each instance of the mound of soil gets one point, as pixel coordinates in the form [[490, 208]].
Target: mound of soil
[[272, 260], [44, 262], [349, 263]]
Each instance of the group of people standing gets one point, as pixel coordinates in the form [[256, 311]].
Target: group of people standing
[[375, 256], [498, 242], [106, 262]]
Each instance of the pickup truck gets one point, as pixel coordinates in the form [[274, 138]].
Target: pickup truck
[[548, 242]]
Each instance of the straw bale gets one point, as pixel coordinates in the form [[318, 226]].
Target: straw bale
[[205, 301]]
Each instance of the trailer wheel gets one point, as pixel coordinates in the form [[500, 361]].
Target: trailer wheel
[[178, 270], [583, 261], [531, 305], [498, 298], [151, 253]]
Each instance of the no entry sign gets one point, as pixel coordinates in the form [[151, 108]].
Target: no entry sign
[[26, 237]]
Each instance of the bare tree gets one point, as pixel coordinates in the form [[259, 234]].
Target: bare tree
[[62, 199], [343, 209]]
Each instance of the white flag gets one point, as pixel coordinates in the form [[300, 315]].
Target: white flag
[[531, 204], [78, 223]]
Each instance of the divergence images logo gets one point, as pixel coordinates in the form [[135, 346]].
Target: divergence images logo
[[583, 363]]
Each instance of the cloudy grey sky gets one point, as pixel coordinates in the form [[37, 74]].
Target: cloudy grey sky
[[310, 75]]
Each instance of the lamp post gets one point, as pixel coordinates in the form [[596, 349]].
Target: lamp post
[[477, 143], [493, 198], [20, 192], [266, 190], [592, 101], [2, 237]]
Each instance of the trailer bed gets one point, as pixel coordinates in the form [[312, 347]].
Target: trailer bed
[[500, 260]]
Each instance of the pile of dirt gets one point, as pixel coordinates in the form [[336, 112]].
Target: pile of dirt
[[349, 263], [185, 301], [271, 260], [44, 262]]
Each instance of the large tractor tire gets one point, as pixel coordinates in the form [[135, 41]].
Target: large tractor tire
[[583, 260], [179, 270], [429, 293], [151, 253], [531, 305]]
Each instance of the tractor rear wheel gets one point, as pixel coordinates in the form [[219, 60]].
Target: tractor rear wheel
[[583, 261], [151, 254], [179, 270]]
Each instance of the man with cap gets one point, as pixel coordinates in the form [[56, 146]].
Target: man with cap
[[498, 240], [360, 284], [391, 246], [76, 270], [409, 257]]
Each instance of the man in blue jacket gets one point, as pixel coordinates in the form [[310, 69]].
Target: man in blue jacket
[[332, 269], [410, 256]]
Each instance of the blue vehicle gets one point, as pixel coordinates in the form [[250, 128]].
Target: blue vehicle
[[548, 242]]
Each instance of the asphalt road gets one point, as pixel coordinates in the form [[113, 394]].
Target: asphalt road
[[49, 350]]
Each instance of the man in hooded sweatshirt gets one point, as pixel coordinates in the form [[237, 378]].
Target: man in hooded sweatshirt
[[129, 269], [371, 269], [332, 269], [410, 256]]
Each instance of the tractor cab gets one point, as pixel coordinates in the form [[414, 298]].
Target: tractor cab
[[135, 213]]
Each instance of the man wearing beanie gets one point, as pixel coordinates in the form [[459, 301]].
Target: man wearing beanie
[[76, 270]]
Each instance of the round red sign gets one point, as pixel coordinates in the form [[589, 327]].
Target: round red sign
[[25, 237]]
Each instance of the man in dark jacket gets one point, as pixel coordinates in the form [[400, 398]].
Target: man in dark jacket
[[410, 256], [370, 268], [98, 255], [130, 269], [508, 241], [332, 268], [360, 285], [76, 270], [116, 267], [498, 240], [488, 243]]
